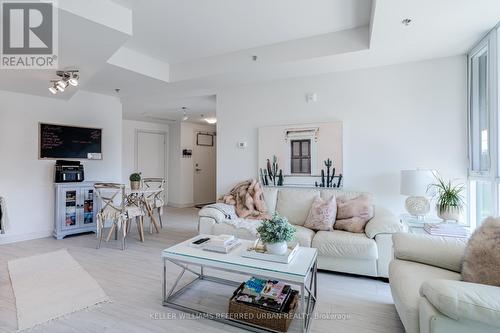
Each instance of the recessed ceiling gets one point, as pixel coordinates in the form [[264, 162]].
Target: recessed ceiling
[[180, 30]]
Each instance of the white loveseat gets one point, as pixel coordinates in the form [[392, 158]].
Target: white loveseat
[[368, 253], [427, 291]]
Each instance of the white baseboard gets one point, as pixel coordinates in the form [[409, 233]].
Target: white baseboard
[[178, 205], [6, 238]]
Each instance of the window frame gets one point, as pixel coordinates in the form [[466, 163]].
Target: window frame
[[492, 175], [301, 157]]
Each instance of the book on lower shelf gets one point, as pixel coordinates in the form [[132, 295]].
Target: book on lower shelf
[[271, 295], [447, 230]]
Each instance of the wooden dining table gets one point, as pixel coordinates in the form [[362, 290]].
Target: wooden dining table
[[139, 198]]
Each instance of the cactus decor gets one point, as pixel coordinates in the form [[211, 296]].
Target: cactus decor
[[328, 179], [272, 173]]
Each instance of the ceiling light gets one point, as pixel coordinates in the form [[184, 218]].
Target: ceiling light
[[66, 78], [406, 21], [211, 120], [74, 80], [63, 84]]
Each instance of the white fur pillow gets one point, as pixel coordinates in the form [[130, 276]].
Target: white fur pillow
[[482, 255], [322, 214]]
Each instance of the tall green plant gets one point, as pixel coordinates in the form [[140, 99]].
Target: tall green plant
[[448, 195]]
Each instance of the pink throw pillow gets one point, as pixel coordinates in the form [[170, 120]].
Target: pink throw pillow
[[353, 214], [322, 214]]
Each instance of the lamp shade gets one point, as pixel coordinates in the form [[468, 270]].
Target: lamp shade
[[415, 182]]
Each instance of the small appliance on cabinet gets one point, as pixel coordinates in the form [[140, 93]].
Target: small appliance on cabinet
[[75, 209]]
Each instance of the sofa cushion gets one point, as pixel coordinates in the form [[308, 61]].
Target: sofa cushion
[[464, 300], [322, 214], [406, 278], [328, 193], [343, 244], [270, 197], [303, 236], [294, 204], [444, 252]]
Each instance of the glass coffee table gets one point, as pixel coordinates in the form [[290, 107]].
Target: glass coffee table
[[300, 272]]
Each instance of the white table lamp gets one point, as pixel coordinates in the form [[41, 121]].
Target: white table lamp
[[414, 184]]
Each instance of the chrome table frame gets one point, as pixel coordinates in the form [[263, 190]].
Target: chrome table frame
[[308, 293]]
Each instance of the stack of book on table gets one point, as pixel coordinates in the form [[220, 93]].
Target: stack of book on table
[[222, 243], [447, 230], [265, 294]]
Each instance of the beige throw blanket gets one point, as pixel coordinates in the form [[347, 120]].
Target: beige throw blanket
[[248, 199]]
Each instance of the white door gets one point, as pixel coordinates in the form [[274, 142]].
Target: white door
[[204, 167], [151, 154]]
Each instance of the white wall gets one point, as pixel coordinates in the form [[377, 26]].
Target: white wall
[[182, 171], [395, 117], [128, 143], [27, 182]]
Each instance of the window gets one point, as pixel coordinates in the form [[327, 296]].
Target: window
[[479, 113], [484, 157], [300, 157]]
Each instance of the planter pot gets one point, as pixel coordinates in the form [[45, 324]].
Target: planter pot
[[449, 214], [134, 185], [277, 248]]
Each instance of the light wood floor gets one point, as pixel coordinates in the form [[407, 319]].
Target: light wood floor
[[132, 279]]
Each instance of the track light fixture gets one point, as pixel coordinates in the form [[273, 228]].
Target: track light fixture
[[53, 88], [66, 78]]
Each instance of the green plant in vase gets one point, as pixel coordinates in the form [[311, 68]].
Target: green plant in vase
[[135, 180], [449, 199], [275, 233]]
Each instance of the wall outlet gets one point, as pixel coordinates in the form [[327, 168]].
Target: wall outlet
[[242, 144]]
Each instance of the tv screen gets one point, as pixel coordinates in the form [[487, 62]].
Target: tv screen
[[61, 141]]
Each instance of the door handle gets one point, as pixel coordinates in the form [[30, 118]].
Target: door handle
[[197, 169]]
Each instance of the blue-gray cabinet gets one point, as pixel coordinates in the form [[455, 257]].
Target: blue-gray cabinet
[[75, 209]]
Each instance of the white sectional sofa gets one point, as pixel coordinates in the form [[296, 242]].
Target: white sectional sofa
[[368, 253], [427, 291]]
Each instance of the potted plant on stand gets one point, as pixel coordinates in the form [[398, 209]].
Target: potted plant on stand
[[450, 201], [275, 233], [135, 181]]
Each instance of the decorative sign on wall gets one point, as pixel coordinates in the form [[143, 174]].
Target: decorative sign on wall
[[62, 141], [205, 139], [308, 155]]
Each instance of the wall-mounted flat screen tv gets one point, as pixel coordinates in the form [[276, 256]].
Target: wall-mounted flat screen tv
[[62, 141]]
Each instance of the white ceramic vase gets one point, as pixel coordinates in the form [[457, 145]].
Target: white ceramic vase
[[449, 214], [277, 248]]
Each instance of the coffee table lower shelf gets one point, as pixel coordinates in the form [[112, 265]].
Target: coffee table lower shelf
[[308, 293]]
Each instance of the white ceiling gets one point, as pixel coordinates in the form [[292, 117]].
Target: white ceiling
[[180, 30], [176, 53]]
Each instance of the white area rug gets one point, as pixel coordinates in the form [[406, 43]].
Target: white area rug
[[51, 285]]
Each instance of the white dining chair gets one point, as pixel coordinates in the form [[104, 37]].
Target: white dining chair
[[114, 207], [155, 199]]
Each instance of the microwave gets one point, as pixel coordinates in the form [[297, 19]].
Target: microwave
[[68, 172]]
